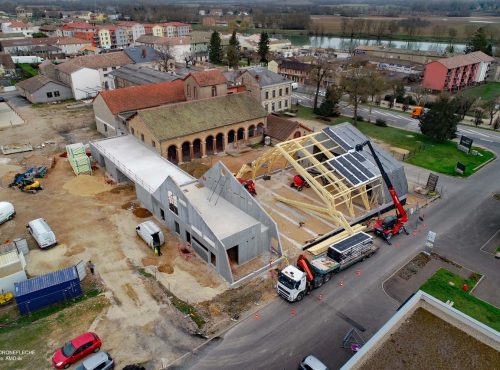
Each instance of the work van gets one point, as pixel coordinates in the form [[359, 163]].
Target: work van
[[7, 212], [150, 233], [42, 233]]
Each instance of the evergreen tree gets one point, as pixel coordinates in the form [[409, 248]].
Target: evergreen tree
[[479, 43], [215, 48], [233, 51], [263, 49], [440, 122], [329, 107]]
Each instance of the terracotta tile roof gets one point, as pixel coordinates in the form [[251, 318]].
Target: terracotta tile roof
[[465, 59], [70, 41], [145, 96], [80, 25], [98, 61], [159, 40], [281, 128], [6, 61], [208, 78], [18, 24]]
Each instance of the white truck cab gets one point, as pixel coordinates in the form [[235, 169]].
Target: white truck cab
[[292, 283]]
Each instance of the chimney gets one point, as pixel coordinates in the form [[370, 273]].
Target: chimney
[[257, 77], [144, 53]]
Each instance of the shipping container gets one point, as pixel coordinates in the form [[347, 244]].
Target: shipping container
[[58, 286]]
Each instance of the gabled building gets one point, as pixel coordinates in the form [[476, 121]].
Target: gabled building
[[282, 129], [271, 89], [205, 84], [455, 73], [178, 47], [42, 89], [295, 70], [7, 66], [18, 27]]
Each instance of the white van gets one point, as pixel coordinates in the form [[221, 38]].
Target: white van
[[42, 233], [7, 212], [150, 233], [295, 85]]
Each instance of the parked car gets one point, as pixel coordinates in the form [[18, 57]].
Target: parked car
[[98, 361], [76, 349], [295, 85], [2, 99], [312, 363], [151, 234], [7, 212], [42, 233]]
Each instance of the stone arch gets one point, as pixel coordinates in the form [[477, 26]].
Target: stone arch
[[260, 129], [209, 145], [186, 151], [219, 143], [231, 136], [197, 148], [251, 131], [240, 135], [172, 154]]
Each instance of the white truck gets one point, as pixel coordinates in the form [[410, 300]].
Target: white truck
[[294, 282]]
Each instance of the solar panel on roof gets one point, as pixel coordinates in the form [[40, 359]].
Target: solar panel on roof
[[359, 166], [336, 138], [358, 156], [344, 172], [350, 166]]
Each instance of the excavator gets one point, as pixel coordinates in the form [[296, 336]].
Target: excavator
[[391, 225]]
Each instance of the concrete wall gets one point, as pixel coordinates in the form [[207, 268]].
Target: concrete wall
[[40, 95], [202, 92], [85, 83]]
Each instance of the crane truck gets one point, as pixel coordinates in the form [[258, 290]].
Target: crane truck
[[294, 282], [391, 225]]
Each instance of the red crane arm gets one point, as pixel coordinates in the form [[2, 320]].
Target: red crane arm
[[303, 264]]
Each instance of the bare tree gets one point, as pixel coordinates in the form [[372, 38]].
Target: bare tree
[[165, 58], [356, 84], [463, 104], [358, 25], [321, 68], [393, 27], [344, 23], [380, 29], [421, 95], [491, 107], [438, 30]]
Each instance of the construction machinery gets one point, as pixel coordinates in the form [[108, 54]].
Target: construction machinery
[[417, 112], [249, 185], [294, 282], [391, 225], [30, 186], [299, 183], [6, 298]]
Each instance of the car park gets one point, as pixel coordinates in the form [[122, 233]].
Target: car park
[[98, 361]]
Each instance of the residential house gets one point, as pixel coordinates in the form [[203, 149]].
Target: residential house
[[146, 56], [112, 108], [81, 30], [42, 89], [171, 29], [49, 29], [71, 45], [455, 73], [205, 84], [199, 46], [89, 74], [178, 47], [44, 46], [282, 129], [18, 27], [185, 131], [271, 89], [7, 66], [295, 70]]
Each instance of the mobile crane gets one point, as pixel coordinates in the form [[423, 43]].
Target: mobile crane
[[391, 225]]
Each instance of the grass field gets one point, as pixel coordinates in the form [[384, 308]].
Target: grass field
[[488, 91], [445, 286]]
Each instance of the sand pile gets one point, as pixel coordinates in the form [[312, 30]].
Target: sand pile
[[87, 185]]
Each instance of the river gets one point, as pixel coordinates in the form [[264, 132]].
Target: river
[[348, 44]]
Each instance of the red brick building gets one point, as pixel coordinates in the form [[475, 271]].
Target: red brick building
[[455, 73]]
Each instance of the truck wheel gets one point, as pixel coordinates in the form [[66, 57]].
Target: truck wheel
[[300, 297], [299, 188], [327, 278]]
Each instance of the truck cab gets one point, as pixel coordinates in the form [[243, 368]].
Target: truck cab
[[292, 283]]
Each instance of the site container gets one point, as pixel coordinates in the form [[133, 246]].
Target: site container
[[42, 291]]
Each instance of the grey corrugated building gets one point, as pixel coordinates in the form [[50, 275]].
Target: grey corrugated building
[[222, 222]]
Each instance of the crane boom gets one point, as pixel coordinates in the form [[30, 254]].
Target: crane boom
[[402, 215]]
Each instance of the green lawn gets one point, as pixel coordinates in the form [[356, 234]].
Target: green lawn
[[439, 286], [488, 91], [439, 157], [27, 70]]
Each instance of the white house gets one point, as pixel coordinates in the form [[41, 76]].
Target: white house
[[18, 27], [178, 47]]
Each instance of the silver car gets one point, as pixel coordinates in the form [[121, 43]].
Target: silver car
[[99, 361], [312, 363]]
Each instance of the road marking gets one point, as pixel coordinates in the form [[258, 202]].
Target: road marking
[[485, 244]]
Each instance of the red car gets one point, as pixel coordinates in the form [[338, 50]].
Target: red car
[[76, 349]]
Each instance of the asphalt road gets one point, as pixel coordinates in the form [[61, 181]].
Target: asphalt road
[[464, 219]]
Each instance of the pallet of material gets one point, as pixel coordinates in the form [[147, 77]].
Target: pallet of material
[[78, 159], [16, 148]]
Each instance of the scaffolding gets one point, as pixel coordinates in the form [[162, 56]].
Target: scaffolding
[[310, 156]]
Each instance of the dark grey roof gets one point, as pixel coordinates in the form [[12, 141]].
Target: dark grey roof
[[266, 77], [142, 54], [140, 75], [352, 136]]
